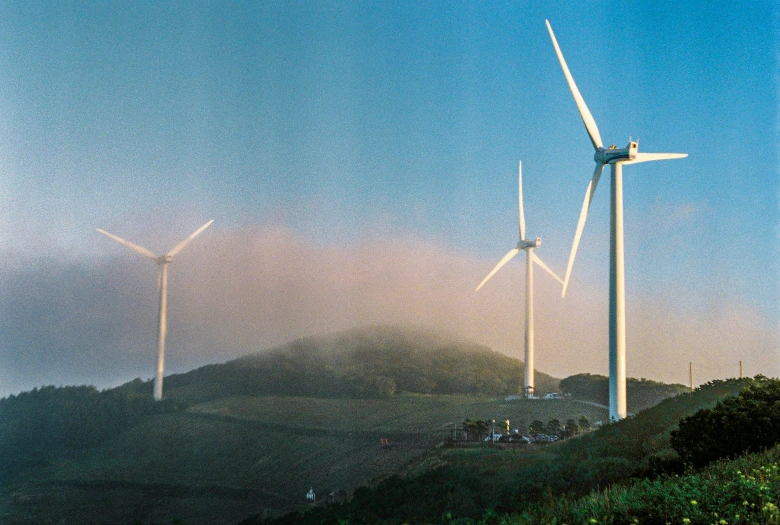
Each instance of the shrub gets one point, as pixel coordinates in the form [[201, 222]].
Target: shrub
[[749, 422]]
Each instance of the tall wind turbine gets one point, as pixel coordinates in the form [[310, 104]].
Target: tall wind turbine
[[162, 262], [530, 258], [616, 158]]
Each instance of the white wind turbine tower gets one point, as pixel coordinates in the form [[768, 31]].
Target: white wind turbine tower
[[162, 262], [530, 258], [616, 158]]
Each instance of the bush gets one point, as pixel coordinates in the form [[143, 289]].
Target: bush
[[749, 422]]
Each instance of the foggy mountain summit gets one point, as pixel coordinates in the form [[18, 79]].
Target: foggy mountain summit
[[375, 361]]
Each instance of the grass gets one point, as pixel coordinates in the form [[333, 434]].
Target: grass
[[743, 491], [229, 458], [409, 413], [541, 484]]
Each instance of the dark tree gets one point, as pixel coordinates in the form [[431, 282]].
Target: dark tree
[[553, 427], [641, 393], [749, 422], [475, 429]]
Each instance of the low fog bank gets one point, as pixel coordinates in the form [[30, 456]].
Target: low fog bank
[[238, 291]]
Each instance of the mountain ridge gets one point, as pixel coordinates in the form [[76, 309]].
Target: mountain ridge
[[373, 361]]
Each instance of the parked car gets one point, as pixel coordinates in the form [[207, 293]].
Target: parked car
[[516, 438]]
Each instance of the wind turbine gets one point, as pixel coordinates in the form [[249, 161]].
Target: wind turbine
[[616, 158], [162, 262], [530, 258]]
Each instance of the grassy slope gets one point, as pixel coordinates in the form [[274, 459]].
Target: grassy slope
[[741, 491], [229, 458], [517, 481]]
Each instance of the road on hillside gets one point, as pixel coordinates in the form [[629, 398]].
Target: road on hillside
[[592, 403]]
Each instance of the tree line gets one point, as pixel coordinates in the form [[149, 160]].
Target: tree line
[[38, 424], [641, 393], [477, 430]]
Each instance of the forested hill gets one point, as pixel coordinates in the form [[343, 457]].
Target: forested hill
[[641, 393], [378, 361]]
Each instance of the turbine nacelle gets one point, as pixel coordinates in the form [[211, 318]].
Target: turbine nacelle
[[614, 154], [524, 245], [164, 259]]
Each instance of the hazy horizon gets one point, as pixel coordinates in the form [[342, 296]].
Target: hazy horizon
[[235, 291]]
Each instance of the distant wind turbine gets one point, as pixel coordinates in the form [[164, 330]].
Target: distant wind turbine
[[616, 158], [162, 262], [530, 258]]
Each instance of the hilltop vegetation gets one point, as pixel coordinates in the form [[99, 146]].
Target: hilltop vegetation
[[363, 363], [641, 393]]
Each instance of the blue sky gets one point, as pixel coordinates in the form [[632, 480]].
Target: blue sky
[[358, 122]]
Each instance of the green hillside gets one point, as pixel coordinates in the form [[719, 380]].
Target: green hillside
[[252, 436], [453, 480], [742, 491], [223, 460]]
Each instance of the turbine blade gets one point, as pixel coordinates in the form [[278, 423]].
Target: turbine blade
[[538, 261], [581, 224], [521, 214], [501, 263], [646, 157], [587, 118], [143, 251], [186, 241]]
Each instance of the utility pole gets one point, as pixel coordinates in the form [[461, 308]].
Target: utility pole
[[690, 373], [740, 369]]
